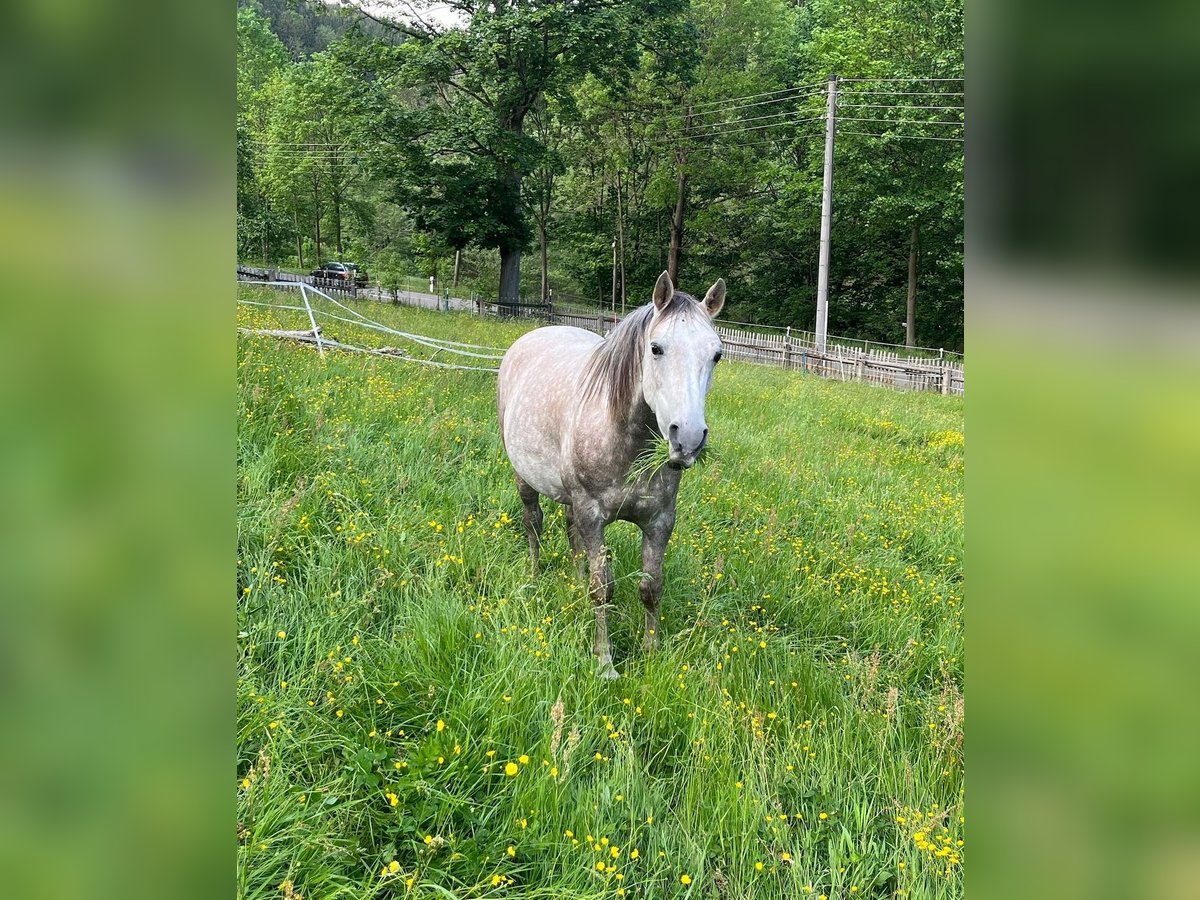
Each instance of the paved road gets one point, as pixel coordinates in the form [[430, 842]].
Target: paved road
[[417, 298], [412, 298]]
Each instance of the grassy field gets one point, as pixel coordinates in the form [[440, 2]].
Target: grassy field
[[416, 717]]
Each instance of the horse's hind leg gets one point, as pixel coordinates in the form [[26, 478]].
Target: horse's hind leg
[[532, 517]]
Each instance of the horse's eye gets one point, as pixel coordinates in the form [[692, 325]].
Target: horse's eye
[[656, 349], [717, 358]]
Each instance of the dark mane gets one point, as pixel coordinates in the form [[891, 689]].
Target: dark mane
[[614, 370]]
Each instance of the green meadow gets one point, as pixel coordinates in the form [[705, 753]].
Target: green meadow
[[418, 717]]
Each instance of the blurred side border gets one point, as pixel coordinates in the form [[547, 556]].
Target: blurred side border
[[117, 483]]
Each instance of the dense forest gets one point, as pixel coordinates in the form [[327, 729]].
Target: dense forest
[[582, 148]]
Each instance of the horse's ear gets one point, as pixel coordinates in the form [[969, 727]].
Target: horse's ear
[[715, 298], [663, 291]]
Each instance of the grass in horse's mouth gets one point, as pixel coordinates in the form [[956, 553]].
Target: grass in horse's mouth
[[658, 455]]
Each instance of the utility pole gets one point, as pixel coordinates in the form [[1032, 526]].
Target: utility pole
[[621, 239], [614, 289], [826, 217]]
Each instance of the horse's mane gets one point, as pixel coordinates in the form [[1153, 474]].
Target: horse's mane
[[614, 370]]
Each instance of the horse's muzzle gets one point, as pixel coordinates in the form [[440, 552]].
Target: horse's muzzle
[[679, 439]]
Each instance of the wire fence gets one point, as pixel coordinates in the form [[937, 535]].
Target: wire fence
[[315, 335], [786, 348]]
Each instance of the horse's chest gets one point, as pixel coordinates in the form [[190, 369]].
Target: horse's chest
[[640, 502]]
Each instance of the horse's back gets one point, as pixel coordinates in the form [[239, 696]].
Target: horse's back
[[537, 391]]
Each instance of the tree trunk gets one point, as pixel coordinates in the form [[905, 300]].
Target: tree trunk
[[299, 236], [910, 319], [454, 281], [337, 221], [510, 257], [677, 226], [510, 278], [317, 219]]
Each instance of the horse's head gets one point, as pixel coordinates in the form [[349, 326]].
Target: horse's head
[[681, 350]]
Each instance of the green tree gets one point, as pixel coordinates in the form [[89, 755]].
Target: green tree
[[898, 230], [260, 56], [476, 87], [311, 143]]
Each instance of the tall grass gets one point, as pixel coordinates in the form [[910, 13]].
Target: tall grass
[[799, 732]]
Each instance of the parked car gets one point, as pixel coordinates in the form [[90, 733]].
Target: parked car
[[339, 271]]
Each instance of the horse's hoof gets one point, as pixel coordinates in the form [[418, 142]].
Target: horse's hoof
[[608, 673]]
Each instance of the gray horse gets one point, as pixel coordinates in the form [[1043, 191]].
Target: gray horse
[[576, 411]]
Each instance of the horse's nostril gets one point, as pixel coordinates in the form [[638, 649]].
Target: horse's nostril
[[704, 437], [674, 429]]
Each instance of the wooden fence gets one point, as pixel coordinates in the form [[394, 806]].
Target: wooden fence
[[514, 310], [798, 351], [789, 350], [328, 285]]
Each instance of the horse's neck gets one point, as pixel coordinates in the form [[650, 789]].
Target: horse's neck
[[635, 432]]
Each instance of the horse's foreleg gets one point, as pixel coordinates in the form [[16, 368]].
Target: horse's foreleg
[[655, 536], [600, 588], [532, 518]]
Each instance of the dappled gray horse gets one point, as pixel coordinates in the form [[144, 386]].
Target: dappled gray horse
[[576, 411]]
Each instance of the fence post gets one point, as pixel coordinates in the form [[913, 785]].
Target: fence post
[[946, 373], [787, 356], [859, 367], [312, 319]]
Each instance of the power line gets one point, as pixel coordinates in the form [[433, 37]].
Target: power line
[[949, 107], [760, 103], [740, 122], [895, 80], [299, 143], [727, 132], [800, 87], [854, 93], [915, 137], [901, 121]]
